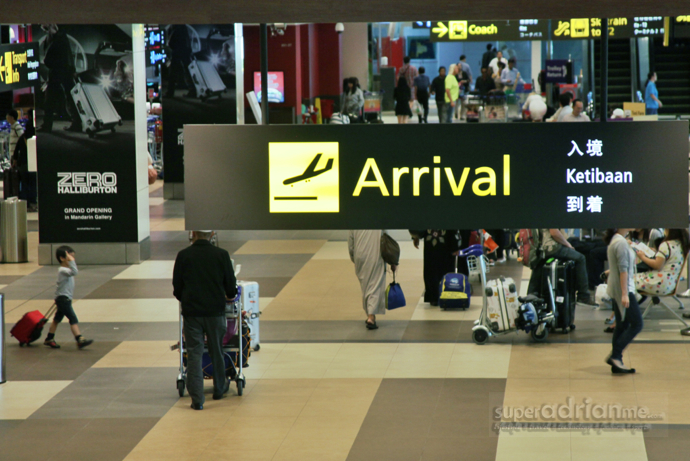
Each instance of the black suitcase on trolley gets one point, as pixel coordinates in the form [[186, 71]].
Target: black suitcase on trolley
[[10, 183], [562, 276]]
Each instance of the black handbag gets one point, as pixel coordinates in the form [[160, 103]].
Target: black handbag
[[390, 250]]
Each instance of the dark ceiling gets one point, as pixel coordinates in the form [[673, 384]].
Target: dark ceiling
[[255, 11]]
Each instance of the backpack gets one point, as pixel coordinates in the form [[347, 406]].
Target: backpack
[[530, 243], [454, 291]]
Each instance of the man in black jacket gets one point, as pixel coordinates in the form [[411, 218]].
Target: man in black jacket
[[203, 281], [61, 72]]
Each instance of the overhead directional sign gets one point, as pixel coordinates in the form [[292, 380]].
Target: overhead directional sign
[[594, 175], [479, 31], [591, 28], [18, 66]]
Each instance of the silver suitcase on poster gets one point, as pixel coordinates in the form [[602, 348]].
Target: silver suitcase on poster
[[206, 79], [95, 109], [250, 304]]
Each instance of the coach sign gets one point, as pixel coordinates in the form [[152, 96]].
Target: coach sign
[[445, 176]]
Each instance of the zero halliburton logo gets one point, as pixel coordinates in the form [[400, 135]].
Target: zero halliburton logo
[[303, 177], [87, 183]]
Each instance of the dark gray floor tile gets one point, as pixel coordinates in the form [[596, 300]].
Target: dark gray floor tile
[[324, 330], [432, 331], [279, 330], [388, 331], [37, 439], [134, 289], [132, 331], [116, 438], [270, 265], [41, 283], [7, 428], [143, 403], [386, 449], [667, 442], [39, 363], [8, 279], [270, 286], [460, 447]]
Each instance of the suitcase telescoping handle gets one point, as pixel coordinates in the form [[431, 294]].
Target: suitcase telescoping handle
[[51, 311]]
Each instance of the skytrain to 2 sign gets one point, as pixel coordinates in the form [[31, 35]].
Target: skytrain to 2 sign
[[590, 175]]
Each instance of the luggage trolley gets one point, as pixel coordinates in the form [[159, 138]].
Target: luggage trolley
[[233, 312], [484, 328]]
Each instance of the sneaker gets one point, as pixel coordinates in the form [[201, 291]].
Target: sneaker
[[51, 343], [82, 343], [502, 260]]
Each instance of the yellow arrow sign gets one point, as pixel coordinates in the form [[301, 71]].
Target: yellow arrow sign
[[440, 29], [2, 70]]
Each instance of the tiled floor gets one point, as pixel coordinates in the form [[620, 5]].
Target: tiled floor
[[322, 387]]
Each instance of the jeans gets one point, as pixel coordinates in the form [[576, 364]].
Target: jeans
[[441, 106], [652, 111], [626, 329], [569, 254], [449, 113], [194, 329]]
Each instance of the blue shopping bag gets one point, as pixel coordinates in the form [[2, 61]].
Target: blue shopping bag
[[394, 296]]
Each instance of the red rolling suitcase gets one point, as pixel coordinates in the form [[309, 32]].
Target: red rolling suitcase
[[30, 327]]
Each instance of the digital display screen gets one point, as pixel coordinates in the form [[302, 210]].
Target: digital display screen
[[276, 86]]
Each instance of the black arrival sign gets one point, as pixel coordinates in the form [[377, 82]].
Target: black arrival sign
[[586, 175]]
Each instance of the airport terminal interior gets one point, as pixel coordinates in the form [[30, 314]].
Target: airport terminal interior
[[321, 384]]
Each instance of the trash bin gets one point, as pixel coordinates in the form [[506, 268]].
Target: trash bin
[[14, 240]]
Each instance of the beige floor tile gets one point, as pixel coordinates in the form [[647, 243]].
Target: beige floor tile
[[333, 250], [261, 247], [264, 303], [140, 354], [540, 360], [148, 270], [421, 352], [533, 448], [358, 369], [646, 335], [171, 224], [473, 361], [621, 447], [337, 296], [17, 309], [418, 369], [587, 361], [296, 370], [365, 351], [19, 399], [155, 201], [155, 186], [127, 310], [316, 353], [408, 251]]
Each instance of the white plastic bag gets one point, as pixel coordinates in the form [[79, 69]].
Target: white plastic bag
[[602, 298]]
